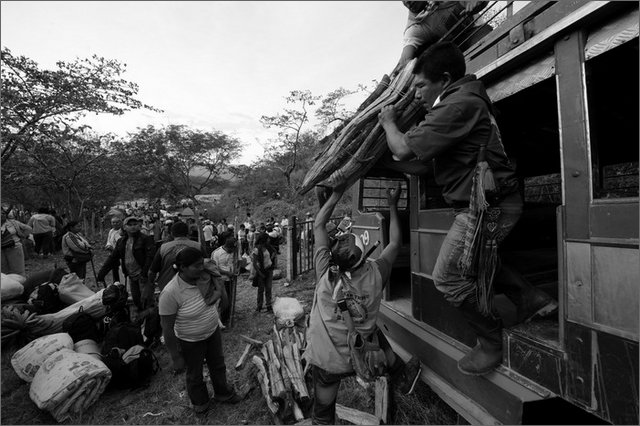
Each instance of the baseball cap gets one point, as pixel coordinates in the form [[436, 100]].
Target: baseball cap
[[130, 219]]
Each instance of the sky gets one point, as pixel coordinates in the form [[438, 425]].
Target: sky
[[214, 64]]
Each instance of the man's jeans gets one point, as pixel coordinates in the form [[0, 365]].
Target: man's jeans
[[325, 391], [447, 276], [195, 354]]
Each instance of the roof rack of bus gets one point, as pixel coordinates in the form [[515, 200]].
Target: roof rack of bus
[[491, 23]]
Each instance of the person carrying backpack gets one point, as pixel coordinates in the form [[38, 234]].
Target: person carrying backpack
[[76, 249], [342, 337], [190, 327]]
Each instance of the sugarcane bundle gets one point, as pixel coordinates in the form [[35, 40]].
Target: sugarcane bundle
[[363, 129]]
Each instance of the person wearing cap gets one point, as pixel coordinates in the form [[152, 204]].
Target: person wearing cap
[[344, 275], [189, 317], [134, 253]]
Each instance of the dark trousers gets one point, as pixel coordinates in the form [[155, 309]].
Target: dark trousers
[[325, 392], [136, 293], [326, 385], [264, 288], [80, 268], [44, 242], [195, 354], [226, 313]]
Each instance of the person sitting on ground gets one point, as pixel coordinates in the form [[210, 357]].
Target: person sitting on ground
[[76, 249], [457, 134], [190, 327], [12, 252], [347, 299]]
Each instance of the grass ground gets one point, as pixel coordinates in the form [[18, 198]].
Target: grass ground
[[165, 401]]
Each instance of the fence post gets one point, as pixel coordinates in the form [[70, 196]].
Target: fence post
[[291, 249]]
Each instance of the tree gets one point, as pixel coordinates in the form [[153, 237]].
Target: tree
[[37, 102], [76, 171], [176, 161], [290, 124]]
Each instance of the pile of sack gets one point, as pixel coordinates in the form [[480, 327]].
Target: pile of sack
[[93, 346]]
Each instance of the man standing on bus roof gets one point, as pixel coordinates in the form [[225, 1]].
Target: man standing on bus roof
[[459, 140]]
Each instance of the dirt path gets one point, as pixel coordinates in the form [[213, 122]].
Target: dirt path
[[165, 401]]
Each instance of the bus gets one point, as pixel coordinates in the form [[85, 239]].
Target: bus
[[563, 77]]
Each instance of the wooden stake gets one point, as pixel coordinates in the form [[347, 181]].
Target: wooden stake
[[264, 385], [243, 357], [355, 416], [250, 340], [382, 399]]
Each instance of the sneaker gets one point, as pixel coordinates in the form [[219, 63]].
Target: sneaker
[[234, 398], [408, 377]]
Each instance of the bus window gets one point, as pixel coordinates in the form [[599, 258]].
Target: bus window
[[612, 95], [374, 194]]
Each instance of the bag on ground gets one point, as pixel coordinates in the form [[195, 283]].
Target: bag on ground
[[131, 368], [287, 311], [46, 298], [122, 335], [71, 289], [10, 286], [81, 326], [28, 360], [68, 383]]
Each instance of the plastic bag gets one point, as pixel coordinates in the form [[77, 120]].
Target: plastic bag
[[71, 289], [287, 310], [10, 287]]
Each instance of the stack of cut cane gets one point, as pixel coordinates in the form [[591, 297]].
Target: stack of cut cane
[[280, 373], [355, 148]]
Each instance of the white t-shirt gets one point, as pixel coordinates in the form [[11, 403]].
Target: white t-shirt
[[195, 320]]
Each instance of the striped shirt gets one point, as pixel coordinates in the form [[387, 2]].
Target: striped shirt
[[195, 320]]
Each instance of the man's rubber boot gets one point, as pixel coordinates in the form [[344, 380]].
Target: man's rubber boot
[[487, 354], [482, 359], [530, 301]]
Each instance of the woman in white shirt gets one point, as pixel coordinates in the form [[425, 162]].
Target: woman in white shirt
[[189, 318]]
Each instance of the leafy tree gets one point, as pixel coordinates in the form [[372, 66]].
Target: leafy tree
[[176, 161], [38, 102], [290, 124], [75, 171]]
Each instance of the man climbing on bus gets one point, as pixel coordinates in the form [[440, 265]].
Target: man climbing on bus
[[342, 337], [460, 143]]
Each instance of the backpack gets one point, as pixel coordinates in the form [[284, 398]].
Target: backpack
[[131, 368], [47, 299], [122, 335], [81, 326], [115, 297]]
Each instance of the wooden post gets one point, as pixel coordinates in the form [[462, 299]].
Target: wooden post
[[291, 249], [93, 224], [382, 399]]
